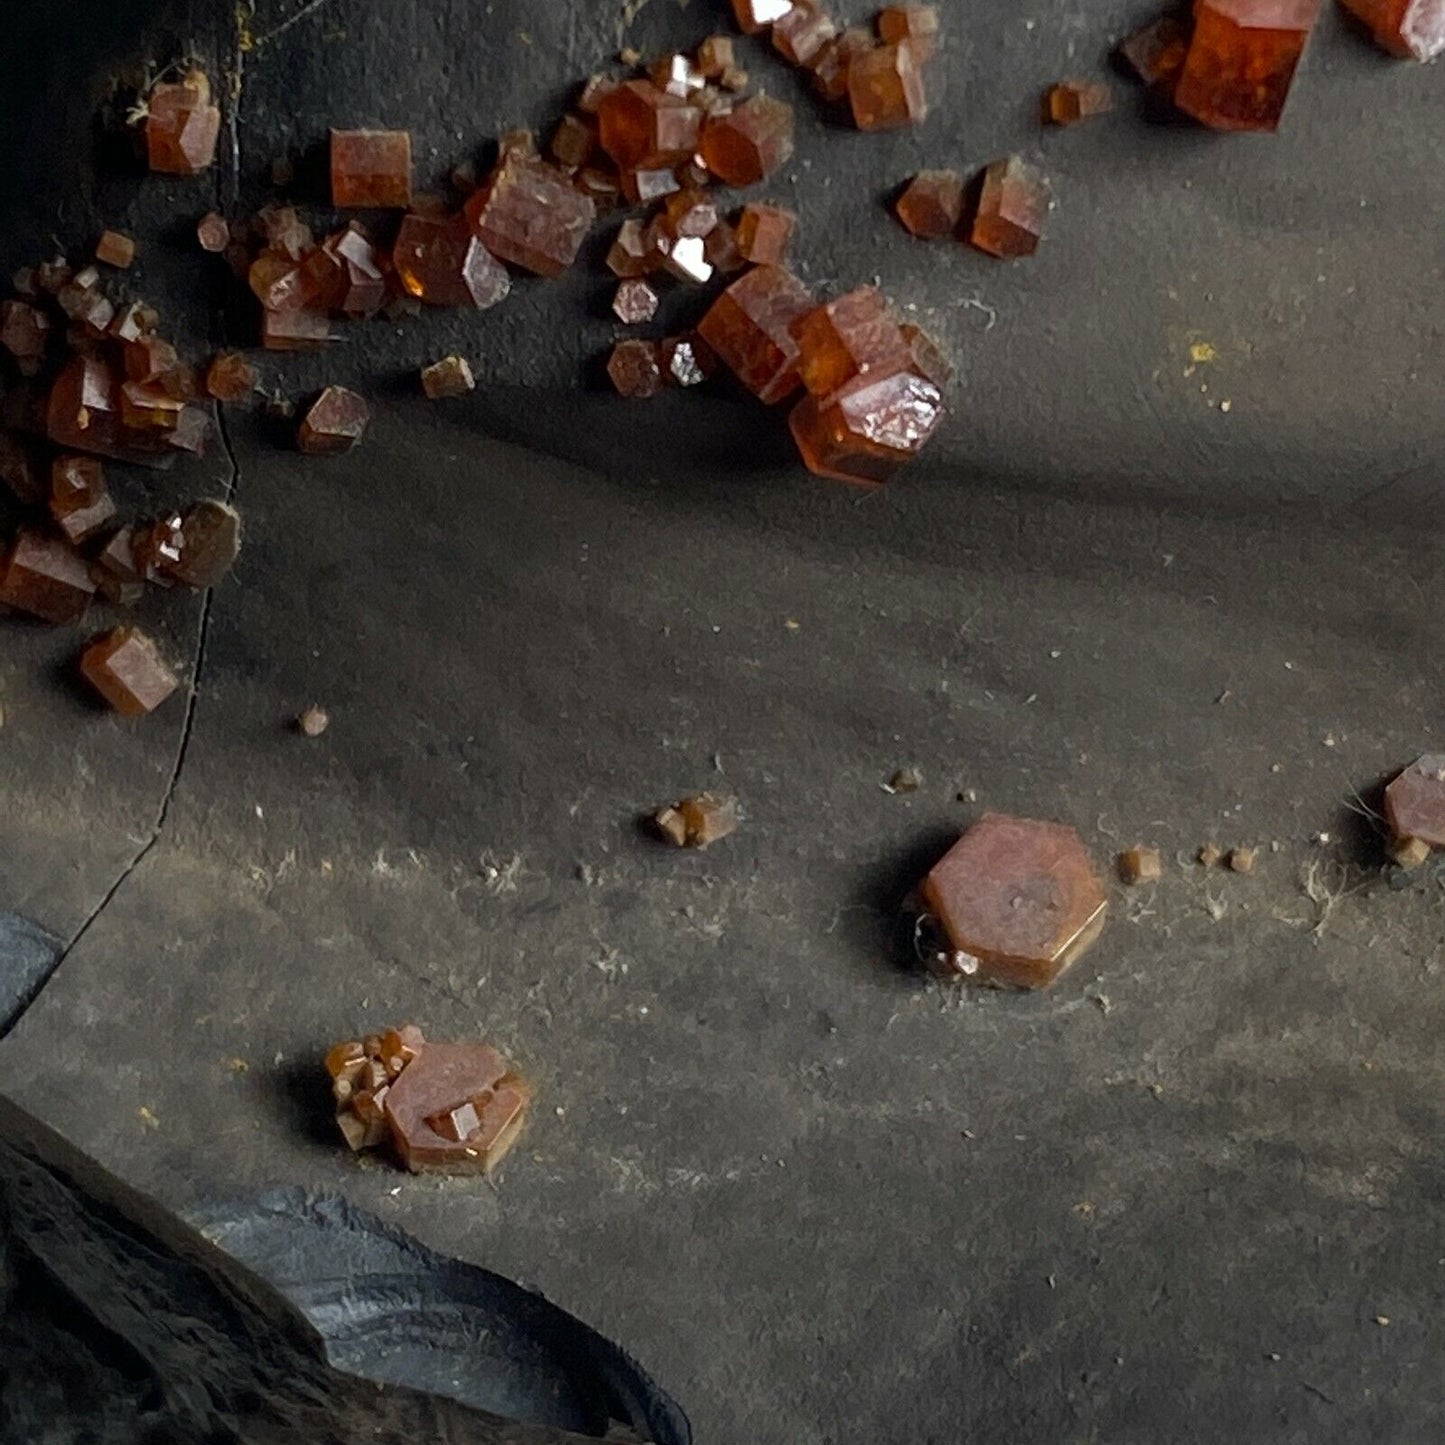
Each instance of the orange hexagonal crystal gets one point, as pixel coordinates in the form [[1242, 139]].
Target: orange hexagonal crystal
[[931, 205], [749, 327], [885, 87], [182, 126], [1415, 801], [126, 668], [853, 336], [864, 432], [371, 168], [1013, 209], [46, 578], [1018, 900], [530, 214], [642, 126], [635, 369], [764, 233], [439, 260], [1242, 59], [1407, 28], [918, 23], [1157, 51], [1070, 101], [743, 146], [334, 424], [800, 35]]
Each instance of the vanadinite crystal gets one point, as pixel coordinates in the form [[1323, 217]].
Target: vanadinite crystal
[[764, 234], [530, 214], [699, 821], [205, 545], [451, 376], [115, 249], [743, 146], [641, 125], [230, 377], [182, 126], [635, 369], [1070, 101], [44, 577], [634, 303], [686, 360], [371, 168], [79, 501], [853, 336], [335, 423], [213, 233], [1241, 60], [1415, 801], [441, 261], [885, 87], [749, 327], [1407, 28], [1157, 52], [831, 65], [1018, 900], [1013, 209], [126, 668], [918, 23], [800, 35], [300, 330], [117, 574], [869, 428], [927, 356], [755, 15], [931, 205]]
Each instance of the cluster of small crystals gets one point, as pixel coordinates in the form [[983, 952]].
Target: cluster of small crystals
[[1008, 220], [439, 1108], [877, 72], [1230, 65]]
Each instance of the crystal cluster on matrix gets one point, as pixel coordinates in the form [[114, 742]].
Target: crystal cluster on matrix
[[1013, 209], [182, 125], [1409, 29]]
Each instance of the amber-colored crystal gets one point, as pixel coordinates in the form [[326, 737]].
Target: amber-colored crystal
[[720, 247], [440, 1080], [24, 333], [334, 424], [593, 89], [1070, 101], [126, 668], [641, 187], [689, 213], [800, 35], [755, 15], [83, 414], [116, 573], [1415, 801], [1156, 52], [832, 63], [46, 578], [864, 432], [371, 168], [1013, 209], [926, 356], [572, 141], [399, 1047], [677, 75], [1018, 900], [1140, 865], [204, 547], [885, 87], [635, 369], [230, 377], [115, 249], [1406, 28], [1241, 61], [362, 283], [749, 327], [931, 205], [764, 234], [530, 214], [631, 253], [213, 233], [451, 376], [441, 261], [642, 126], [856, 335], [182, 126], [80, 503], [699, 821], [686, 360], [634, 303], [915, 23], [285, 232], [146, 406], [715, 55], [299, 330], [745, 145], [279, 283]]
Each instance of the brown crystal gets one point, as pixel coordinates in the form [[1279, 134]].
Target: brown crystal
[[720, 247], [686, 360], [115, 249], [441, 1079], [24, 332], [755, 15], [530, 214], [116, 573], [83, 414], [764, 234], [126, 668], [1156, 52], [600, 184], [371, 168], [298, 330], [631, 253], [443, 263], [593, 89], [689, 213], [915, 23], [451, 376], [1018, 900], [1070, 101], [1241, 61], [926, 357], [744, 145], [856, 335], [204, 547], [677, 75], [749, 327], [334, 424], [641, 126], [230, 377], [715, 55], [182, 126], [46, 578], [572, 141], [1013, 209], [698, 821], [832, 63], [80, 503], [634, 303], [1415, 801], [635, 369], [1406, 28], [885, 87], [931, 205], [1140, 865], [800, 35], [285, 232], [869, 428]]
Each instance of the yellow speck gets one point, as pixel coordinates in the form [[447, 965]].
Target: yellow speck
[[1382, 1320], [147, 1118], [792, 624], [524, 37], [237, 1066], [1086, 1209], [1202, 352], [245, 40]]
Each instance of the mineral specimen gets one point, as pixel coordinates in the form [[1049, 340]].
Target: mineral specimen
[[915, 23], [856, 335], [205, 545], [1070, 101], [764, 234], [80, 503], [744, 145], [800, 35], [885, 87], [931, 205], [230, 377], [573, 141], [182, 126], [1156, 53], [530, 214], [126, 668], [451, 376], [1018, 900], [641, 126], [755, 15], [698, 821], [1415, 801], [715, 56], [298, 330], [371, 168], [213, 233], [869, 428], [635, 369], [685, 258], [1140, 865], [334, 424], [686, 360], [1241, 61], [116, 573], [634, 303], [720, 247], [631, 253], [46, 578], [749, 327], [832, 63], [115, 249], [441, 261], [1012, 209], [1406, 28]]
